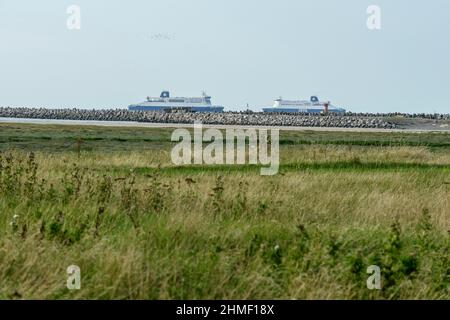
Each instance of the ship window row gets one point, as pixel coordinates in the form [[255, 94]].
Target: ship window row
[[194, 100], [190, 100]]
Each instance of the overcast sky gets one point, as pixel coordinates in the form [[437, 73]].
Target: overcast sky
[[238, 51]]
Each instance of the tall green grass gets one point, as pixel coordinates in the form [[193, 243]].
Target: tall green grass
[[158, 236], [140, 228]]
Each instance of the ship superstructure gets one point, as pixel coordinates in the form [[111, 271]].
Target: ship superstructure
[[314, 105], [167, 103]]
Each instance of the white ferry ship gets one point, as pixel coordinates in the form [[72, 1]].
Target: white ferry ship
[[314, 105], [167, 103]]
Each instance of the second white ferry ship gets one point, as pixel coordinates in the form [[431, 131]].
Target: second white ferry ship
[[314, 105], [167, 103]]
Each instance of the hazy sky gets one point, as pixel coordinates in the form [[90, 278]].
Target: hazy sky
[[238, 51]]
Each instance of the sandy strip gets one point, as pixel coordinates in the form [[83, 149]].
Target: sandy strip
[[207, 126]]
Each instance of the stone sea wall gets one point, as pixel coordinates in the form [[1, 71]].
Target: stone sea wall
[[348, 120]]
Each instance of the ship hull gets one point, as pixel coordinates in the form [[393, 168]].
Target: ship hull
[[301, 110]]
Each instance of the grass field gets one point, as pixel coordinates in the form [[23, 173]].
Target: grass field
[[110, 201]]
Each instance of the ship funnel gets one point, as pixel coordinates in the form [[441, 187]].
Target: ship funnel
[[326, 107]]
